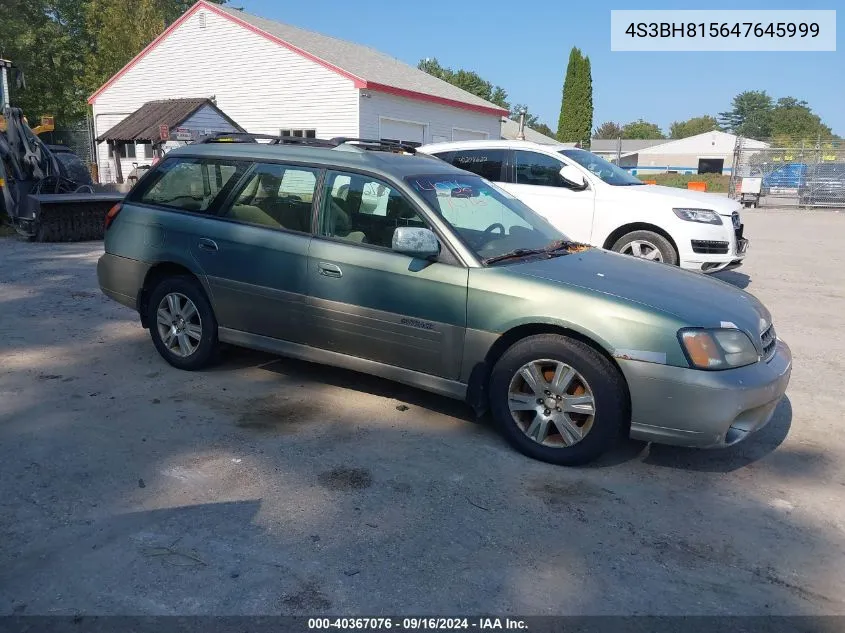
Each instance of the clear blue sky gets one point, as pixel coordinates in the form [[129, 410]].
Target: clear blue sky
[[526, 53]]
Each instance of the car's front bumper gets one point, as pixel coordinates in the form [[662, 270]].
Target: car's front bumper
[[728, 231], [690, 407]]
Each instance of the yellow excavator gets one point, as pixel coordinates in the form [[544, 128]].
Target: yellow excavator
[[46, 190]]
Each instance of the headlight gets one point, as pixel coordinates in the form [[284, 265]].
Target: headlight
[[718, 349], [698, 215]]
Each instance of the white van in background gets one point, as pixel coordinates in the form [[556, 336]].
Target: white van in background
[[595, 202]]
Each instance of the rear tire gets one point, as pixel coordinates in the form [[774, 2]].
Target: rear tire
[[551, 420], [182, 323], [647, 245]]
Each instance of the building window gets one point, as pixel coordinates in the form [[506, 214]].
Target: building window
[[403, 142], [124, 150], [299, 133]]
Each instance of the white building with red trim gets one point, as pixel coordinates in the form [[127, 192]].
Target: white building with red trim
[[274, 78]]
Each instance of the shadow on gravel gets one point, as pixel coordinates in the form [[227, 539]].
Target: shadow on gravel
[[740, 280], [373, 385]]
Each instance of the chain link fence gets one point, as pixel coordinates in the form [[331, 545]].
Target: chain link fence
[[792, 171], [77, 140]]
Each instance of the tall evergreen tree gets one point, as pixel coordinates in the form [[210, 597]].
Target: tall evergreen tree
[[576, 109]]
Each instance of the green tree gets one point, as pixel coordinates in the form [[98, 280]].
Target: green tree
[[531, 120], [642, 129], [576, 108], [693, 126], [608, 130], [750, 115], [793, 118], [46, 40], [467, 80]]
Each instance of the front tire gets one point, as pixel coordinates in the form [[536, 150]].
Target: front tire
[[558, 400], [647, 245], [182, 323]]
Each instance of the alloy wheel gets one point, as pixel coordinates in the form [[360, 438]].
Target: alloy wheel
[[179, 324], [551, 403], [644, 250]]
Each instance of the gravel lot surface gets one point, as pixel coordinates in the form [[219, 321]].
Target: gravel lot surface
[[271, 486]]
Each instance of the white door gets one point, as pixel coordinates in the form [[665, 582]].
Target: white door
[[540, 186], [460, 134], [404, 131]]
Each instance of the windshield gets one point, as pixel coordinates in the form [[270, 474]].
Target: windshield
[[489, 220], [608, 172]]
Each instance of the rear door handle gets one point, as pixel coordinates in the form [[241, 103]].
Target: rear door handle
[[206, 244], [329, 270]]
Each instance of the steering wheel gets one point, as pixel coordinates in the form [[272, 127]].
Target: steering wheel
[[494, 226]]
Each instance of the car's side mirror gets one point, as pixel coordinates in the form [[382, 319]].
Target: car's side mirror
[[573, 177], [416, 242]]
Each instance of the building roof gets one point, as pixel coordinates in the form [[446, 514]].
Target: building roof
[[673, 145], [628, 145], [365, 66], [510, 130], [143, 124]]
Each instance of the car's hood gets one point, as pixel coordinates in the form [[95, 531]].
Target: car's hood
[[694, 298], [677, 197]]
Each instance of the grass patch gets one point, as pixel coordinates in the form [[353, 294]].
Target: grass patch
[[716, 183]]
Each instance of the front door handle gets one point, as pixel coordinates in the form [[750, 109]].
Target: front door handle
[[206, 244], [329, 270]]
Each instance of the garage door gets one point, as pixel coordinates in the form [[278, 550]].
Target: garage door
[[467, 135], [411, 133]]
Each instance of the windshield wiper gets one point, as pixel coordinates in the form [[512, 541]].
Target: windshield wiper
[[519, 252], [551, 250]]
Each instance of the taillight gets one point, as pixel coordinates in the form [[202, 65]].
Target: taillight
[[112, 214]]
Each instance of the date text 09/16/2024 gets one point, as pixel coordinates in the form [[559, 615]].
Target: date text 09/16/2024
[[418, 624]]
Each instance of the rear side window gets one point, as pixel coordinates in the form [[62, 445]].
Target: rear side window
[[190, 184], [278, 196], [486, 163]]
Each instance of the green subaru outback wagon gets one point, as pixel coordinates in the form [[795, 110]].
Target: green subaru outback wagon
[[351, 253]]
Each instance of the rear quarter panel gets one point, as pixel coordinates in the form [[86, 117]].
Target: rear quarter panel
[[154, 236]]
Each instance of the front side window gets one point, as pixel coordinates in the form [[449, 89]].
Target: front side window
[[190, 184], [533, 168], [278, 196], [488, 220], [608, 172], [486, 163], [362, 209]]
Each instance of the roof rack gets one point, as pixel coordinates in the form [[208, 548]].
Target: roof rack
[[246, 137], [375, 144], [337, 141]]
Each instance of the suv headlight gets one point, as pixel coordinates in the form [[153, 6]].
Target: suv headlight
[[718, 349], [698, 215]]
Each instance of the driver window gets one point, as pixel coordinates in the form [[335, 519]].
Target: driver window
[[277, 196], [538, 169], [364, 210]]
